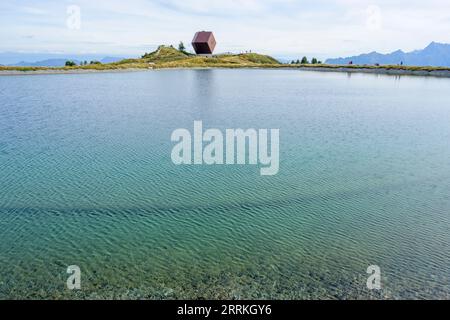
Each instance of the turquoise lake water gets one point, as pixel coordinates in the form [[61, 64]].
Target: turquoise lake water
[[86, 179]]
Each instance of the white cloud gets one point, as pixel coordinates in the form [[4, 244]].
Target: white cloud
[[322, 27], [33, 10]]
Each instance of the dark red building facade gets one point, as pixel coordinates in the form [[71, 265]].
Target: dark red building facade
[[204, 42]]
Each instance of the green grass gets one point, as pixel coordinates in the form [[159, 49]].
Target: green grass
[[24, 69], [258, 58], [165, 54], [169, 57]]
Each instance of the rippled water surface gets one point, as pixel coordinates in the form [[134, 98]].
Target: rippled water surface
[[86, 179]]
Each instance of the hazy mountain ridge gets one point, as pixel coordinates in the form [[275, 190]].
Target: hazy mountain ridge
[[435, 54], [60, 62]]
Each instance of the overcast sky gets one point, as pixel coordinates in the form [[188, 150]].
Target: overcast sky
[[325, 28]]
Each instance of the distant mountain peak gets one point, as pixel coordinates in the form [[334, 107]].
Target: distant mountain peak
[[435, 45], [432, 45]]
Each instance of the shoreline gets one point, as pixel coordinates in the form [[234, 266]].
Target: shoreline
[[340, 69], [381, 71], [69, 71]]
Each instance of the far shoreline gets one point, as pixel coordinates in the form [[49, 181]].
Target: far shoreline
[[380, 71], [67, 71], [167, 57], [443, 73]]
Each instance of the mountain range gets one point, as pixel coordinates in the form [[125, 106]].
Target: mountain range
[[59, 62], [435, 54]]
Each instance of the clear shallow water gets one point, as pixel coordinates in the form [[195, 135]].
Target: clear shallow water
[[86, 178]]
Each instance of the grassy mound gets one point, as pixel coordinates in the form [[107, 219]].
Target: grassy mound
[[165, 54], [169, 57], [172, 58], [258, 58]]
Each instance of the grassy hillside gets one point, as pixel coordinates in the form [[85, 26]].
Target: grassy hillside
[[165, 54], [168, 57]]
